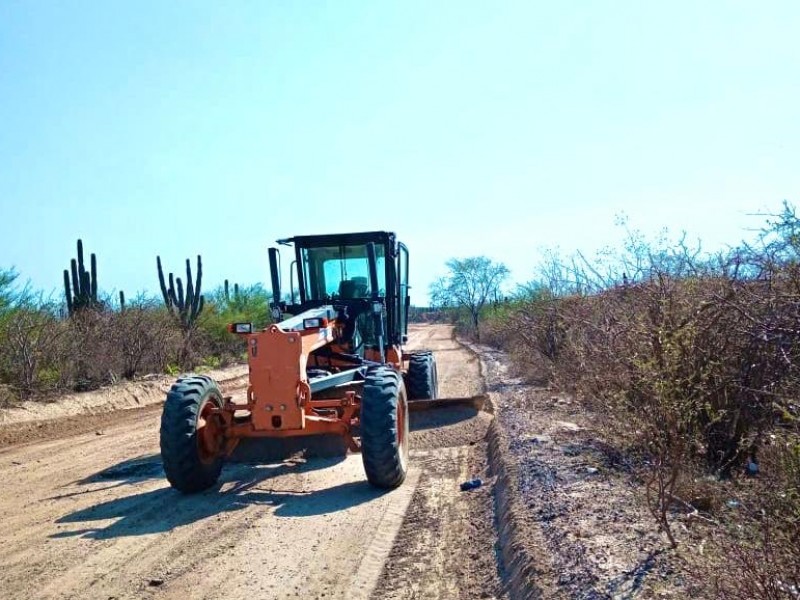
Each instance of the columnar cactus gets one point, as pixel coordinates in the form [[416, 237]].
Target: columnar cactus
[[83, 291], [235, 292], [186, 307]]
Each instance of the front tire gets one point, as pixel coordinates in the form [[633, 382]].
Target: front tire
[[189, 442], [384, 428], [422, 377]]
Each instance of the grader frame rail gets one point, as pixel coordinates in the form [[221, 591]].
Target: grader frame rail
[[332, 364]]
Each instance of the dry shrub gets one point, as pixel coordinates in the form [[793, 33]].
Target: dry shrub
[[420, 314], [145, 340], [102, 346], [532, 331], [30, 345], [87, 356], [676, 368], [759, 548], [42, 352], [687, 365]]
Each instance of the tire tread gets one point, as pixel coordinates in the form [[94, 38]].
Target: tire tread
[[182, 465], [421, 377], [380, 451]]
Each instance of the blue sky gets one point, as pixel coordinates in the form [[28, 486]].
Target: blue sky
[[496, 128]]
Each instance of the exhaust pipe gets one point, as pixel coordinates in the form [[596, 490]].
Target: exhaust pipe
[[274, 274]]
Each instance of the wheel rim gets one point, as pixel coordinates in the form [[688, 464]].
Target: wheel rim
[[207, 434]]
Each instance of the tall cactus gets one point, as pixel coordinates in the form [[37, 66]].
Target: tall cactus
[[82, 292], [187, 307], [235, 292]]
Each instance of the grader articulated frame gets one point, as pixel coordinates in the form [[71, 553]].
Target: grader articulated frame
[[333, 363]]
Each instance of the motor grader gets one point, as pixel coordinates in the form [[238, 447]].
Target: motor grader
[[333, 362]]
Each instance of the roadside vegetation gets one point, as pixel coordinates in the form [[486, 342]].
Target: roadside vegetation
[[468, 287], [689, 364], [82, 340]]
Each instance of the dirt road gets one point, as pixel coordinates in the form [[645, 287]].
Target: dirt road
[[91, 516]]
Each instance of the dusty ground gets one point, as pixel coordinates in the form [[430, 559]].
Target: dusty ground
[[574, 519], [87, 513], [446, 547]]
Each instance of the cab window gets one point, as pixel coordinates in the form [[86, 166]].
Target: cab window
[[341, 272]]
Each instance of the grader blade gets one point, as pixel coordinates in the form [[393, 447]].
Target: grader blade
[[476, 402]]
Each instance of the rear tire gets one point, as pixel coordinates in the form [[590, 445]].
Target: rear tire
[[384, 428], [188, 463], [422, 378]]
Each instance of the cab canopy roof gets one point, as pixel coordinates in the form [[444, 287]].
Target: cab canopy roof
[[340, 239]]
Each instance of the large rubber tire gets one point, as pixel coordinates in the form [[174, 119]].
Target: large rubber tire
[[186, 467], [422, 378], [384, 427]]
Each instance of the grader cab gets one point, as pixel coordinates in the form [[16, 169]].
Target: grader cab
[[332, 363]]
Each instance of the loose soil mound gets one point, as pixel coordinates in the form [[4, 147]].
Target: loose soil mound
[[93, 411], [448, 427]]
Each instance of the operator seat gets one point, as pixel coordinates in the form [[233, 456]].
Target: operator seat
[[353, 288]]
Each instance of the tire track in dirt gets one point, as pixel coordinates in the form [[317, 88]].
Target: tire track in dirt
[[97, 519], [446, 545]]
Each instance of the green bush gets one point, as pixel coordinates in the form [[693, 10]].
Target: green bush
[[249, 305]]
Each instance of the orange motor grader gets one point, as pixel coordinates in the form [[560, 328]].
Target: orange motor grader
[[332, 363]]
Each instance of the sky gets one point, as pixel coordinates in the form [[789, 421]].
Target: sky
[[468, 128]]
